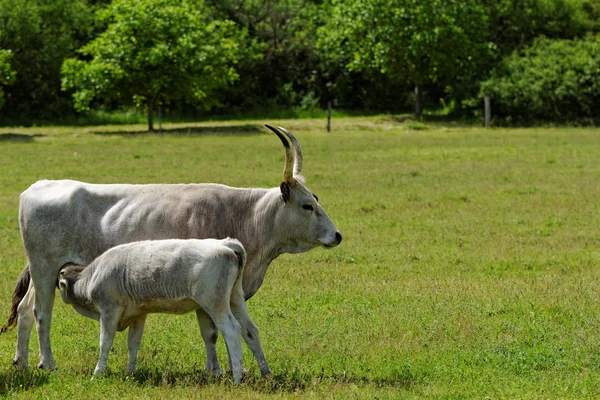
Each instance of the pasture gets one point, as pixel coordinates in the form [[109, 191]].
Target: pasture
[[468, 269]]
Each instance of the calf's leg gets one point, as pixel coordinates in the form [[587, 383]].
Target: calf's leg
[[230, 329], [209, 335], [249, 329], [134, 339], [109, 320]]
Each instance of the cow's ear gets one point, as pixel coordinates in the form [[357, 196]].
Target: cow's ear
[[286, 191]]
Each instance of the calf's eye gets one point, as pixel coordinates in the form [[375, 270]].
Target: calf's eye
[[308, 207]]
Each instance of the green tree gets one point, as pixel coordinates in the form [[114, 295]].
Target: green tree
[[514, 24], [280, 67], [154, 52], [40, 34], [7, 75], [553, 79], [417, 41]]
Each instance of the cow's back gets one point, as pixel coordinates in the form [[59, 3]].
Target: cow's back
[[70, 221]]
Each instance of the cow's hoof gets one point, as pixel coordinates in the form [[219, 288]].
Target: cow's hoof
[[19, 364], [50, 367], [214, 371]]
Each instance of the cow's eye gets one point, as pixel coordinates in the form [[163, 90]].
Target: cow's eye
[[308, 207]]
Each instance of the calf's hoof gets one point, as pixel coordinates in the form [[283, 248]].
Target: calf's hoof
[[267, 374]]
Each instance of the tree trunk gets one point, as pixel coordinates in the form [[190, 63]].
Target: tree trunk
[[150, 116], [418, 100]]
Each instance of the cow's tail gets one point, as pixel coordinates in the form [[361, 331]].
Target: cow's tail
[[18, 294], [239, 251]]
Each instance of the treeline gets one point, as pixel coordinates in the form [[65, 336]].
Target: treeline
[[537, 59]]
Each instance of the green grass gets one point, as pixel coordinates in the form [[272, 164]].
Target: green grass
[[469, 266]]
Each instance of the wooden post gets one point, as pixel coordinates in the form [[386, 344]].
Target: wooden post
[[328, 116], [488, 111], [418, 102], [159, 121]]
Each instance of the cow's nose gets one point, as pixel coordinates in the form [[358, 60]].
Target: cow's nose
[[338, 237]]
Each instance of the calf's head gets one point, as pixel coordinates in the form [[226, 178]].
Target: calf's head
[[301, 221], [67, 277]]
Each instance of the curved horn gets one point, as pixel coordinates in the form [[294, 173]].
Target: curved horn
[[287, 170], [297, 151]]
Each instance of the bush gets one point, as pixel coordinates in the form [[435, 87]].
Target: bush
[[552, 80]]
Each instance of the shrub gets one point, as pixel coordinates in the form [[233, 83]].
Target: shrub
[[552, 80]]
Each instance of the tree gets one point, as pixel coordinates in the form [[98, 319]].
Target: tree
[[151, 53], [7, 75], [280, 62], [40, 34], [418, 41], [553, 79]]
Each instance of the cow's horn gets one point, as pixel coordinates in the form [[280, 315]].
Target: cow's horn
[[287, 170], [297, 151]]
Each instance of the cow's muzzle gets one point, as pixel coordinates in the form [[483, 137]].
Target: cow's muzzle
[[338, 240]]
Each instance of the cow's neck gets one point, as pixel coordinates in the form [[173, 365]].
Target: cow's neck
[[263, 246], [249, 216]]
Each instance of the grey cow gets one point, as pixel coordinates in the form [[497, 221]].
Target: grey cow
[[175, 276], [69, 222]]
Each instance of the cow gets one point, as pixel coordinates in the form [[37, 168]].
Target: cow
[[175, 276], [69, 222]]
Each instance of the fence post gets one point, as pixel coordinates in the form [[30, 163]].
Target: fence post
[[328, 116], [159, 121], [488, 111]]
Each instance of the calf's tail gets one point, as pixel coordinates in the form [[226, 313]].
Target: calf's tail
[[18, 294], [239, 251]]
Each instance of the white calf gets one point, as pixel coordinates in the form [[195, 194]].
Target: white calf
[[129, 281]]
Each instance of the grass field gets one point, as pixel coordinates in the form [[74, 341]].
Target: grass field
[[469, 266]]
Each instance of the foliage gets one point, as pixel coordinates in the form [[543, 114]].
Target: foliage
[[7, 75], [408, 40], [41, 34], [514, 25], [468, 270], [281, 68], [152, 53], [295, 54], [552, 80]]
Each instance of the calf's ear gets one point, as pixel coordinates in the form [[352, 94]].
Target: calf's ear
[[286, 191], [63, 286]]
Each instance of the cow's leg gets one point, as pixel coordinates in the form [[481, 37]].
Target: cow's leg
[[109, 320], [42, 310], [249, 329], [25, 322], [209, 335], [230, 329], [134, 339]]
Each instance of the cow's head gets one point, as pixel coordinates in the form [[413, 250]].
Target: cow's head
[[302, 221], [67, 277]]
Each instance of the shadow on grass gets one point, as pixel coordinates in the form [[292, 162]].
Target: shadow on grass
[[225, 130], [12, 381], [287, 381], [18, 137]]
